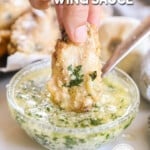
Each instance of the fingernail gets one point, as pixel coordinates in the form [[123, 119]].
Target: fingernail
[[81, 34]]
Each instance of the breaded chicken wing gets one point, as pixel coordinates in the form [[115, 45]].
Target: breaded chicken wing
[[35, 31], [4, 40], [75, 84], [10, 10]]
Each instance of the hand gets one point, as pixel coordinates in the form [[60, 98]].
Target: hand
[[73, 18]]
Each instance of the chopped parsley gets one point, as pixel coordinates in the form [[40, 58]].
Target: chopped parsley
[[69, 141], [75, 75], [107, 136], [95, 122], [93, 75]]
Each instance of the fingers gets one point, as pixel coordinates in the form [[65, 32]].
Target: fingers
[[74, 20], [73, 17], [40, 4], [94, 15], [59, 10]]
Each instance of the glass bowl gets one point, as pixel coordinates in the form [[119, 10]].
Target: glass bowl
[[55, 137]]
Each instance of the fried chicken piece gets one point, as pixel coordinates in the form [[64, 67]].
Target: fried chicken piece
[[75, 84], [4, 40], [35, 31], [10, 10]]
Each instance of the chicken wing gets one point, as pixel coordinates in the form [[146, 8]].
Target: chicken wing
[[75, 84], [35, 31], [4, 40], [10, 10]]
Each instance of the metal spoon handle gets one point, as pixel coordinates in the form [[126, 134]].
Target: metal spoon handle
[[142, 31]]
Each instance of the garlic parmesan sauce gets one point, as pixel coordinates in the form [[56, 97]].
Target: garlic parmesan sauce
[[33, 100], [33, 97]]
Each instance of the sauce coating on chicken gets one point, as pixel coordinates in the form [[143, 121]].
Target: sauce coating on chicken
[[75, 84]]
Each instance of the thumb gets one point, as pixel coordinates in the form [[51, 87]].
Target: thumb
[[74, 20]]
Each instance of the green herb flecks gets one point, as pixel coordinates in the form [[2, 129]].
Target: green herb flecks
[[44, 139], [70, 142], [75, 75], [107, 136], [93, 75], [127, 125], [95, 122], [20, 120], [82, 140]]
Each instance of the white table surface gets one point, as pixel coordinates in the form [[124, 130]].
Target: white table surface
[[12, 137]]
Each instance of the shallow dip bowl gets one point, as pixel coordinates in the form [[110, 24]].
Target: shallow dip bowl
[[39, 119]]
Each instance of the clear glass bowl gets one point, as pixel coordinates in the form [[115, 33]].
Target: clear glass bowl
[[60, 138]]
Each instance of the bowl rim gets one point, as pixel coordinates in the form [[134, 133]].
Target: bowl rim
[[31, 67]]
